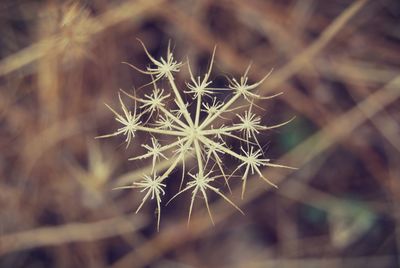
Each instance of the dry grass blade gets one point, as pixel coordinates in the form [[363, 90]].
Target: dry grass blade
[[68, 233]]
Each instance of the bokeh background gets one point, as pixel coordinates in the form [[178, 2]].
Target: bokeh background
[[337, 63]]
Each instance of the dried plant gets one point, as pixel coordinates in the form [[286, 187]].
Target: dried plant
[[75, 28], [194, 135]]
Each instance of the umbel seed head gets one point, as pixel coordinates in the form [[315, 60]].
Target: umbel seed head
[[188, 135]]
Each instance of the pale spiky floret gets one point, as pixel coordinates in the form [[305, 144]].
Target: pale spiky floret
[[154, 101], [129, 123], [194, 135], [153, 187]]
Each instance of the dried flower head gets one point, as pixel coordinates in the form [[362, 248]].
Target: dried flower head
[[75, 27], [193, 134]]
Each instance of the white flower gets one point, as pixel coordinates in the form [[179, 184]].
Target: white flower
[[242, 87], [199, 87], [250, 124], [155, 150], [130, 123], [164, 122], [154, 101], [162, 67], [213, 107], [253, 162], [153, 187], [200, 184], [188, 128]]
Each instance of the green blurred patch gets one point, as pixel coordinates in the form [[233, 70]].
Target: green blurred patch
[[295, 132]]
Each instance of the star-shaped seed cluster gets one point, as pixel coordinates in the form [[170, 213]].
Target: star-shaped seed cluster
[[192, 135]]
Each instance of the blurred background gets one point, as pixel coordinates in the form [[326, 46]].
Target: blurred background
[[337, 63]]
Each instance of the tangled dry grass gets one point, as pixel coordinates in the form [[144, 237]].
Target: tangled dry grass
[[338, 66]]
